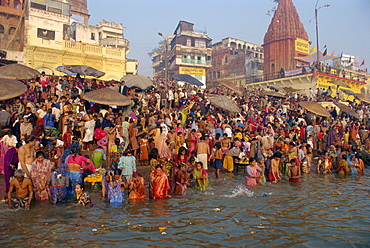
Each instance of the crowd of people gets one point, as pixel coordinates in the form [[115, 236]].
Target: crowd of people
[[176, 132]]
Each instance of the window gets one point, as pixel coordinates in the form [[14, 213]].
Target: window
[[1, 29], [11, 31], [45, 34], [188, 42], [199, 58], [92, 36]]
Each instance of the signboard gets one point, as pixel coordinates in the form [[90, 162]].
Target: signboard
[[302, 46], [294, 72], [192, 71]]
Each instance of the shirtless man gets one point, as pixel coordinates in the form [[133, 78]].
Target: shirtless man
[[294, 171], [274, 173], [203, 151], [23, 191], [112, 132], [225, 143], [26, 155]]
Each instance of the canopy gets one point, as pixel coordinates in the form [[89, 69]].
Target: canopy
[[188, 79], [315, 108], [17, 71], [83, 70], [313, 57], [107, 96], [11, 88], [223, 102], [137, 81], [346, 109], [231, 86], [362, 98]]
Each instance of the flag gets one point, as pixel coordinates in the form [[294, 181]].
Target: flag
[[362, 63], [313, 50], [325, 52], [349, 61], [314, 74], [357, 59], [324, 47]]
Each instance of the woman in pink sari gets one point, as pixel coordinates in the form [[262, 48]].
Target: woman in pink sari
[[41, 169], [253, 173]]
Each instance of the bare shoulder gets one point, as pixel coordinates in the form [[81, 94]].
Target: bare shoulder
[[28, 181]]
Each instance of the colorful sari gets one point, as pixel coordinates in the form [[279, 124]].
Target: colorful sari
[[181, 182], [98, 157], [115, 194], [201, 183], [252, 172], [75, 177], [159, 185], [58, 193], [116, 156], [3, 150], [39, 176], [83, 200]]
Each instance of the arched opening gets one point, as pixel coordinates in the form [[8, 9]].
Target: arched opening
[[1, 29], [11, 31]]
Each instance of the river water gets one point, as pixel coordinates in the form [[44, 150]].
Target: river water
[[321, 211]]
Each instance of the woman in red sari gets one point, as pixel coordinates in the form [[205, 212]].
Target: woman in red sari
[[159, 184]]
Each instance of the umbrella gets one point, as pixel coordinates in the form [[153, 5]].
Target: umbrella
[[274, 94], [137, 81], [232, 87], [188, 79], [362, 98], [346, 109], [107, 96], [291, 90], [276, 87], [348, 92], [315, 108], [11, 88], [83, 70], [223, 102], [17, 71], [340, 83]]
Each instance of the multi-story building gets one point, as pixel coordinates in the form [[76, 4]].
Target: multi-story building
[[188, 52], [11, 31], [235, 61], [57, 33]]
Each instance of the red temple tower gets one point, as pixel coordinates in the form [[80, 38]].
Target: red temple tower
[[284, 40]]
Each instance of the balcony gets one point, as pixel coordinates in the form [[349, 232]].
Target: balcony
[[115, 42], [84, 48], [196, 62]]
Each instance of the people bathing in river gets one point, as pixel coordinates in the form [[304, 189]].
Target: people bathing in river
[[254, 173], [82, 198], [200, 176], [23, 191], [159, 184], [58, 183]]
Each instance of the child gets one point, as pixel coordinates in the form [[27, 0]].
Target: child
[[58, 186], [294, 171], [127, 164], [182, 180], [82, 198], [217, 154], [200, 176]]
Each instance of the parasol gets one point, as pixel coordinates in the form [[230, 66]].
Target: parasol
[[274, 94], [137, 81], [315, 108], [362, 98], [346, 109], [17, 71], [10, 88], [348, 92], [231, 86], [107, 96], [83, 70], [223, 102], [188, 79]]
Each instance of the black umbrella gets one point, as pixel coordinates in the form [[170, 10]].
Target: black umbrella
[[188, 79], [83, 70], [137, 81]]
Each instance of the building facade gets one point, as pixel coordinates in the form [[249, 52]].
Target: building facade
[[284, 40], [235, 61], [186, 52], [11, 30]]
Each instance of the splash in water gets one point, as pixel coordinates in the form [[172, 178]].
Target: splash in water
[[240, 190]]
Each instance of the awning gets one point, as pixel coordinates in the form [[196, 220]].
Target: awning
[[313, 57]]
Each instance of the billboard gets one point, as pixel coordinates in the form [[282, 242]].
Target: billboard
[[192, 71], [302, 46]]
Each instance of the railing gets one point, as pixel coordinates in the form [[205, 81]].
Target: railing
[[196, 61], [91, 49], [114, 41]]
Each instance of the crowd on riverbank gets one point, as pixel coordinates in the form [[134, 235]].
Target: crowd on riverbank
[[177, 132]]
